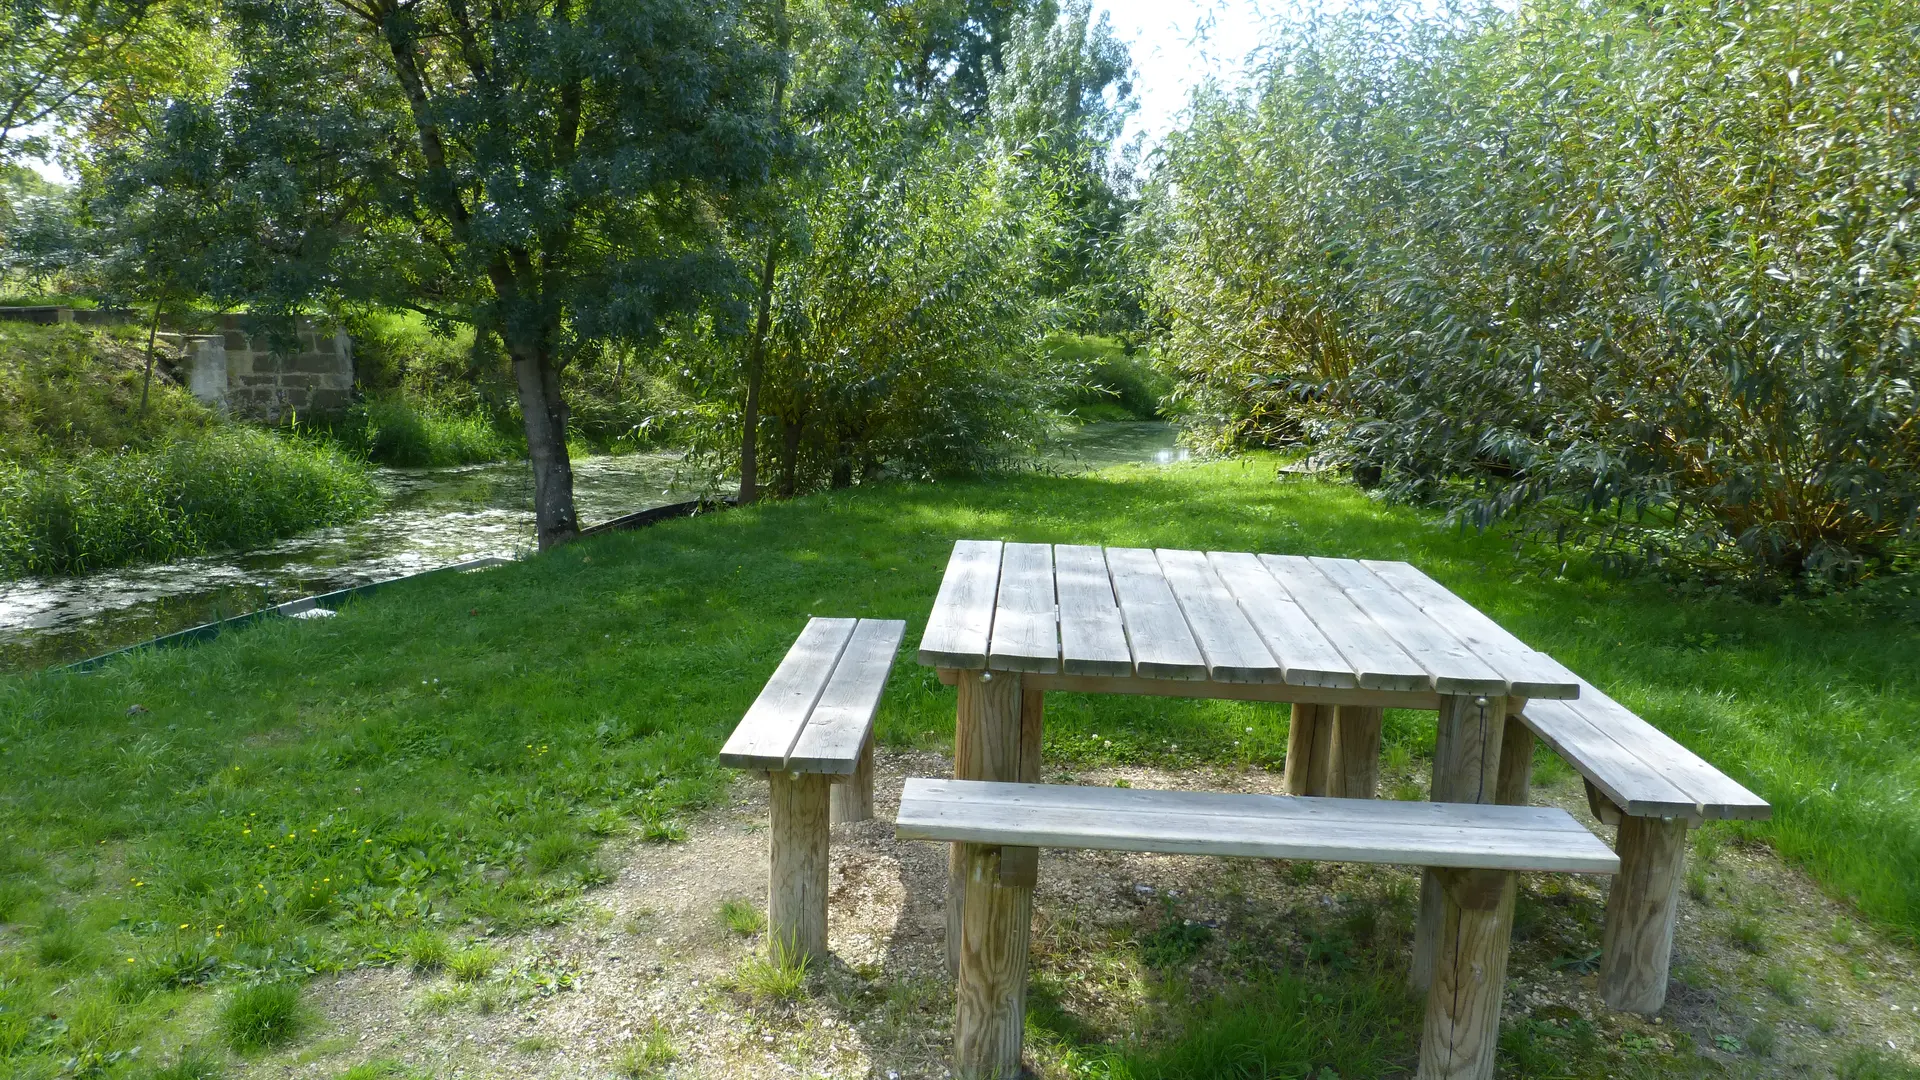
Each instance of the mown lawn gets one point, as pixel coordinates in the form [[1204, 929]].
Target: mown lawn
[[308, 796]]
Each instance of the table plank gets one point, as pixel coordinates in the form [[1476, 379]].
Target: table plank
[[1454, 667], [1375, 658], [1305, 655], [771, 726], [1025, 619], [1529, 672], [1233, 649], [837, 729], [957, 631], [1162, 645], [1253, 826], [1093, 640]]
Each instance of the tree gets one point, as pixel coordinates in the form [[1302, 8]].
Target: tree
[[549, 172]]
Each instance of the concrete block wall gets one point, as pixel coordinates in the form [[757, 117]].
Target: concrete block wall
[[314, 376]]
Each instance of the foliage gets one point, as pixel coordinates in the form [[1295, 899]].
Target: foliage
[[67, 390], [227, 489], [1640, 272], [396, 430], [620, 707], [261, 1015], [1109, 382]]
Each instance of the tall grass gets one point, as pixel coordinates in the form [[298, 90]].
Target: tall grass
[[1643, 271], [398, 430], [229, 488]]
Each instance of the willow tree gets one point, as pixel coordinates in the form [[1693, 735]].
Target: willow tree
[[548, 172]]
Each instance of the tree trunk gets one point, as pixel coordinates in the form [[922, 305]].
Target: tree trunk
[[763, 318], [544, 409], [790, 432], [146, 381]]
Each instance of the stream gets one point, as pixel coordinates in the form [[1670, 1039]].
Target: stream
[[431, 517]]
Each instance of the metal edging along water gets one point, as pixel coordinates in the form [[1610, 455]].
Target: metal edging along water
[[332, 600]]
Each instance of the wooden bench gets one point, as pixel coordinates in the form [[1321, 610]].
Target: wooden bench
[[1474, 851], [1654, 790], [811, 732]]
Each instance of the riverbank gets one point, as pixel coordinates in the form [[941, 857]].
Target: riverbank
[[442, 763]]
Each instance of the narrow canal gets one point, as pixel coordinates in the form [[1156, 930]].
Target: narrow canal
[[431, 517]]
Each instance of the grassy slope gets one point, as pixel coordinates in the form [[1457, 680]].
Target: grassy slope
[[301, 796]]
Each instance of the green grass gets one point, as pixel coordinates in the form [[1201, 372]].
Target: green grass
[[474, 963], [261, 1015], [742, 917], [67, 390], [648, 1054], [397, 430], [303, 797]]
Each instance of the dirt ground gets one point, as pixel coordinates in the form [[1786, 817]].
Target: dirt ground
[[1771, 978]]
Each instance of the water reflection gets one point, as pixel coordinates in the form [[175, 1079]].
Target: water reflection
[[432, 517]]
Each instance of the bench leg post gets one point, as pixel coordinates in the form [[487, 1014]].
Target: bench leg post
[[1355, 769], [991, 998], [797, 878], [1637, 947], [1466, 769], [1309, 749], [986, 746], [853, 795], [1462, 1030]]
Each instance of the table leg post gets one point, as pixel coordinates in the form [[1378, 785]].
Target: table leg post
[[1637, 946], [1309, 749], [1355, 770], [991, 997], [1466, 768], [797, 867], [1021, 865], [853, 795], [1515, 787], [1462, 1031], [986, 746]]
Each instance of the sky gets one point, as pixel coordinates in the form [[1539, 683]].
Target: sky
[[1176, 44]]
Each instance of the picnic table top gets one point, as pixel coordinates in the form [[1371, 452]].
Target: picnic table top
[[1224, 618]]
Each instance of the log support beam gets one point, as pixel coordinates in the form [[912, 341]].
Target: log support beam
[[797, 866], [1466, 769], [1637, 947], [1462, 1032], [853, 793]]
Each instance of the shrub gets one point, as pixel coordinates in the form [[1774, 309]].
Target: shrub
[[394, 430], [261, 1015], [1640, 273], [231, 488]]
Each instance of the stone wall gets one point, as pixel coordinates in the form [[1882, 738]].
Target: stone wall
[[314, 375]]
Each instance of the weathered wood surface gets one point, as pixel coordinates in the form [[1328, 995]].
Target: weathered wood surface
[[1515, 786], [1157, 633], [1466, 769], [987, 745], [797, 864], [1093, 641], [773, 723], [1376, 660], [1251, 826], [1305, 656], [852, 799], [1529, 672], [1309, 749], [1453, 667], [841, 721], [1233, 649], [1641, 769], [1026, 628], [962, 619], [1637, 945], [1462, 1032], [1353, 768], [991, 993]]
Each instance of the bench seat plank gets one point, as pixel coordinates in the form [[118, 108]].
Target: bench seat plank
[[1232, 647], [1305, 655], [1645, 771], [1376, 659], [957, 630], [1250, 826], [1093, 641], [1163, 646], [1529, 672], [1025, 621], [836, 732], [1454, 667], [767, 732]]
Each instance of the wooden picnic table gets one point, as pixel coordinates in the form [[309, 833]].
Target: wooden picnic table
[[1338, 639]]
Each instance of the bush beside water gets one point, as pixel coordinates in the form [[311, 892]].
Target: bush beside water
[[228, 488], [393, 430]]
